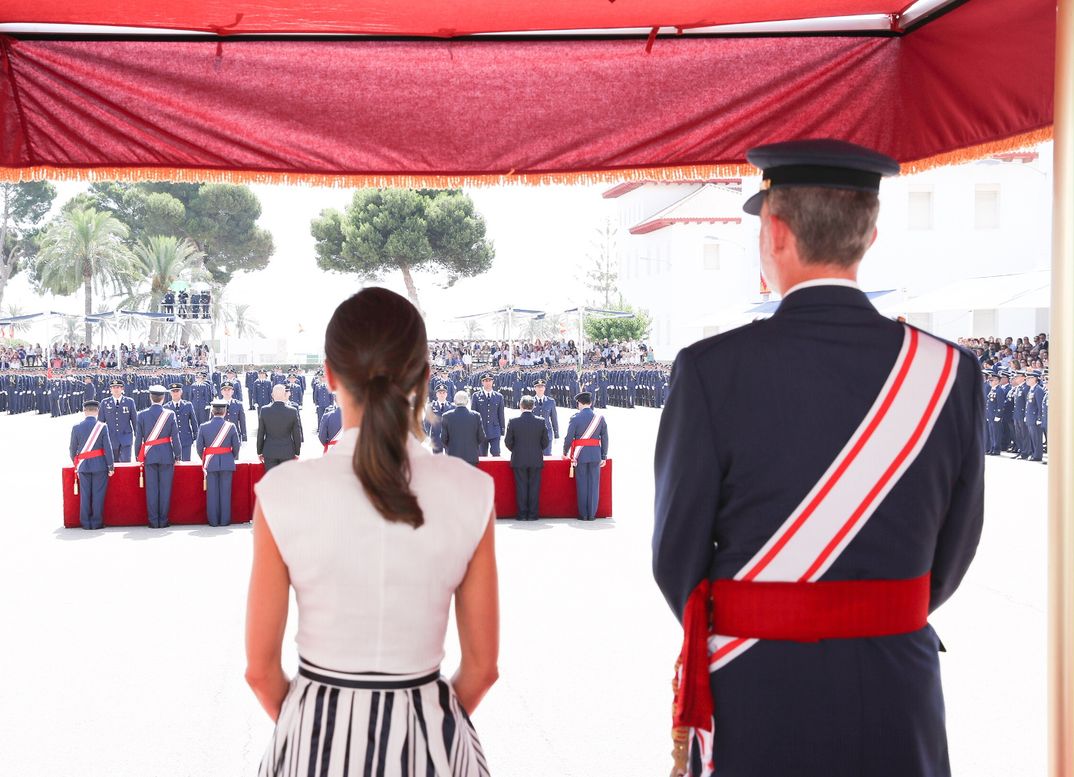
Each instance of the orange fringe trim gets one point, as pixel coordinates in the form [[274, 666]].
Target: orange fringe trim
[[446, 181]]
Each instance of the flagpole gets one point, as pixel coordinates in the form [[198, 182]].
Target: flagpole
[[1061, 423]]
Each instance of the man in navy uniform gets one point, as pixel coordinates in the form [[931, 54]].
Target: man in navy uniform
[[1017, 397], [201, 394], [185, 420], [295, 390], [544, 407], [527, 438], [432, 420], [91, 454], [233, 410], [261, 393], [236, 386], [119, 414], [461, 432], [994, 403], [157, 440], [585, 443], [330, 428], [1034, 416], [218, 447], [823, 675], [488, 403]]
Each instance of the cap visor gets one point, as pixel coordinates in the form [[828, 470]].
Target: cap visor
[[754, 203]]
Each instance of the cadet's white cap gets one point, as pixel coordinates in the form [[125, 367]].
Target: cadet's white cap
[[156, 388]]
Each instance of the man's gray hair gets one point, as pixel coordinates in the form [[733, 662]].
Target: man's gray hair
[[280, 392], [832, 226], [526, 403], [462, 398]]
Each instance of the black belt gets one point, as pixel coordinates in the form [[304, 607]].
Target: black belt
[[361, 680]]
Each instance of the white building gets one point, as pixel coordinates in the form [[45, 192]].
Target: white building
[[962, 251]]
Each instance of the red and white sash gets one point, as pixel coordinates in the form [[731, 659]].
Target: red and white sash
[[87, 451], [588, 434], [213, 449], [334, 440], [153, 437], [874, 459]]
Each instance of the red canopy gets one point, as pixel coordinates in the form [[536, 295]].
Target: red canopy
[[974, 81], [432, 17]]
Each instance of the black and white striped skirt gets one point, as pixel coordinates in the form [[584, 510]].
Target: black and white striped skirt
[[342, 724]]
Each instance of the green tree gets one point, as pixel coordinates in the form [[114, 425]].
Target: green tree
[[23, 206], [404, 230], [619, 329], [602, 276], [84, 249], [159, 261]]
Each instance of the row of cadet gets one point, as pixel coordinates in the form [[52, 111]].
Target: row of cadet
[[23, 391], [196, 304], [623, 387], [1016, 412]]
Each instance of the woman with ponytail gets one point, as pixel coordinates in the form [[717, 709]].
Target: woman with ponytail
[[376, 538]]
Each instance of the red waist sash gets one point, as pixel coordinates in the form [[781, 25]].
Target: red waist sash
[[795, 612], [81, 457], [217, 451], [587, 442], [150, 444]]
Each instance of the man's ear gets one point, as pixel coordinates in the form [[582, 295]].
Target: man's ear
[[779, 234], [329, 378]]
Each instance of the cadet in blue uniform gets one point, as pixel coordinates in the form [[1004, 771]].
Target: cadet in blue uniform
[[994, 404], [489, 404], [185, 420], [119, 414], [544, 407], [1018, 410], [1033, 418], [91, 454], [261, 393], [585, 443], [201, 394], [432, 422], [295, 391], [157, 440], [218, 447], [235, 385], [797, 688], [330, 426], [233, 410]]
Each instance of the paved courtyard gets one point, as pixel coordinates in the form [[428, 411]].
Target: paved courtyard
[[123, 649]]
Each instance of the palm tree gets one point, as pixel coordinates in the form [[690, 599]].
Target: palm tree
[[473, 329], [244, 325], [14, 311], [160, 260], [84, 248]]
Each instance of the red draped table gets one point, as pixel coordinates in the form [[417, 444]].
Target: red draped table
[[124, 504]]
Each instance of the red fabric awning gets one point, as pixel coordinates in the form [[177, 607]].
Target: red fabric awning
[[429, 17], [444, 113]]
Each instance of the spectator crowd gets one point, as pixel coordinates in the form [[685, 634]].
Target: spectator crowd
[[84, 357], [535, 353]]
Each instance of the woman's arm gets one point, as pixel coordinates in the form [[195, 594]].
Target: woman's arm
[[477, 614], [266, 617]]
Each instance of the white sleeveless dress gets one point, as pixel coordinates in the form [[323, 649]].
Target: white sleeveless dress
[[373, 600]]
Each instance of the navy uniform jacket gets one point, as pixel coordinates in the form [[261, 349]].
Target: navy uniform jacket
[[734, 460], [157, 454], [79, 434], [236, 413], [120, 417], [545, 409], [1034, 398], [997, 410], [431, 426], [461, 432], [331, 423], [490, 408], [220, 462], [526, 438], [579, 422], [1019, 394], [262, 392], [185, 420]]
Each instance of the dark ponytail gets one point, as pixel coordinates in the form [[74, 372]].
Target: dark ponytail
[[376, 345]]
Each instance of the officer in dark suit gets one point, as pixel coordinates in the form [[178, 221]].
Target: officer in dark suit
[[184, 419], [460, 429], [544, 407], [119, 413], [527, 438], [279, 431], [434, 412], [218, 448], [91, 454], [156, 436], [488, 403], [585, 443], [882, 482]]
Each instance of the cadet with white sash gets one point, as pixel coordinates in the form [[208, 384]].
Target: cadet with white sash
[[91, 454], [157, 440], [218, 447], [585, 443], [865, 509]]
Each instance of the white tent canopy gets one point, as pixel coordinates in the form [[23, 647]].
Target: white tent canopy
[[1015, 290]]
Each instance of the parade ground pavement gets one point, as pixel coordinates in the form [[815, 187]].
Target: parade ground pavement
[[122, 649]]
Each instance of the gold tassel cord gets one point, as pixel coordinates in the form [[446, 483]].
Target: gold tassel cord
[[432, 180]]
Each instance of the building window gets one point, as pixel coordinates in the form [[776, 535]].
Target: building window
[[919, 211], [711, 256], [986, 206]]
